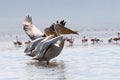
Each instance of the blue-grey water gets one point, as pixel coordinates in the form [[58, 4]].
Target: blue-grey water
[[80, 62]]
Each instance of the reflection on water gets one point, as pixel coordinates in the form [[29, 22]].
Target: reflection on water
[[40, 70], [53, 63]]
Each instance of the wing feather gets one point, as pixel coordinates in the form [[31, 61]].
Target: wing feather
[[31, 30]]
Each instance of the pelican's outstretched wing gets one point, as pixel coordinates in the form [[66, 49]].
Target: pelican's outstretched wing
[[31, 30], [32, 45], [60, 29], [43, 45], [51, 51], [50, 42]]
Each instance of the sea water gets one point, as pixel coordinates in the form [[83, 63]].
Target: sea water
[[80, 62]]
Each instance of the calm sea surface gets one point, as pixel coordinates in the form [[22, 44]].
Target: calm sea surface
[[80, 62]]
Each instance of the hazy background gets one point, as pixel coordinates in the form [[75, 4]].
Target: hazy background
[[79, 14]]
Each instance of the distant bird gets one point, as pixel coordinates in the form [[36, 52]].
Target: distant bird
[[95, 40], [27, 42], [70, 40], [47, 47], [17, 42], [84, 39], [116, 39], [110, 40]]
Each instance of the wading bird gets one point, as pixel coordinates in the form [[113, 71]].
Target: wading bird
[[47, 45], [96, 40], [17, 42], [84, 39]]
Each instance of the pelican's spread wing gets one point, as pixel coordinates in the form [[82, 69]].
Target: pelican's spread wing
[[50, 42], [52, 50], [33, 48], [31, 30], [33, 45], [63, 30], [45, 44]]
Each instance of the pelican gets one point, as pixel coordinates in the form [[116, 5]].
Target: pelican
[[44, 48]]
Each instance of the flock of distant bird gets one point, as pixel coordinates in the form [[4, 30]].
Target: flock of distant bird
[[84, 40], [48, 45], [95, 40], [19, 43]]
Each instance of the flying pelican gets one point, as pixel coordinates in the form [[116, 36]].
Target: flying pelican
[[48, 47]]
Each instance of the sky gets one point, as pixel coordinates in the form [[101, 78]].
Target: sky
[[78, 14]]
